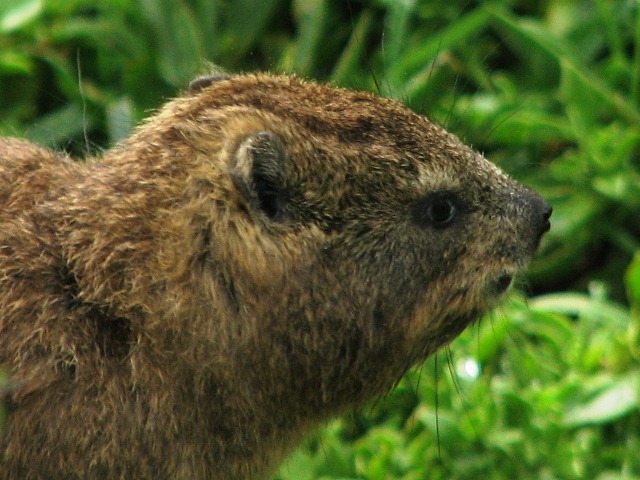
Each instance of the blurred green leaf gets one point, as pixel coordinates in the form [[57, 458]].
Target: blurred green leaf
[[397, 27], [607, 313], [245, 21], [632, 279], [422, 56], [311, 16], [209, 14], [119, 120], [15, 63], [17, 14], [56, 128], [613, 475], [577, 79], [349, 59], [298, 467], [442, 425], [179, 45], [616, 400]]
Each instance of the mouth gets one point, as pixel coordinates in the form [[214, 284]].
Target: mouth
[[454, 325], [500, 284], [448, 326]]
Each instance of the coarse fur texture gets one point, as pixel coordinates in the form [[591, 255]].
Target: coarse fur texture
[[259, 256]]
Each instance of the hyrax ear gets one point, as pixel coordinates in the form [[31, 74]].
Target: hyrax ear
[[201, 83], [258, 172]]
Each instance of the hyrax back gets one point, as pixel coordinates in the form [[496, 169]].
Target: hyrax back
[[262, 254]]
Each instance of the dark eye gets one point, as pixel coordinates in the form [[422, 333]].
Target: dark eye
[[441, 211], [437, 210]]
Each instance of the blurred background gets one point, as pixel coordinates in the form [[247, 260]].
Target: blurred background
[[546, 387]]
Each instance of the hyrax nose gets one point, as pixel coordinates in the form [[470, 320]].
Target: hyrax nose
[[545, 210], [541, 214]]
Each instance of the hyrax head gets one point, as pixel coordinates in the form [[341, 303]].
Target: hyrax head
[[350, 229]]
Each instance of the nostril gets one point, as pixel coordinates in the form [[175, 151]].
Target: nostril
[[547, 210], [539, 213], [535, 212]]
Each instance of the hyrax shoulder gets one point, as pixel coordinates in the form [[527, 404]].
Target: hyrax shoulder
[[260, 255]]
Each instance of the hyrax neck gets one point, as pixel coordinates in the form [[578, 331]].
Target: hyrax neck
[[271, 370]]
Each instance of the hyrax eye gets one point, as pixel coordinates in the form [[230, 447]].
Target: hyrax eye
[[437, 210]]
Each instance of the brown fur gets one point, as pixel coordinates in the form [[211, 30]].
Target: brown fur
[[192, 303]]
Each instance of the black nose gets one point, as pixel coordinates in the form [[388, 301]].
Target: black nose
[[542, 214], [546, 210]]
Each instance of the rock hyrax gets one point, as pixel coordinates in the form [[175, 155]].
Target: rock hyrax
[[262, 254]]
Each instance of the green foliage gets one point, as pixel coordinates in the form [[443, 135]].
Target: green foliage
[[549, 90]]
